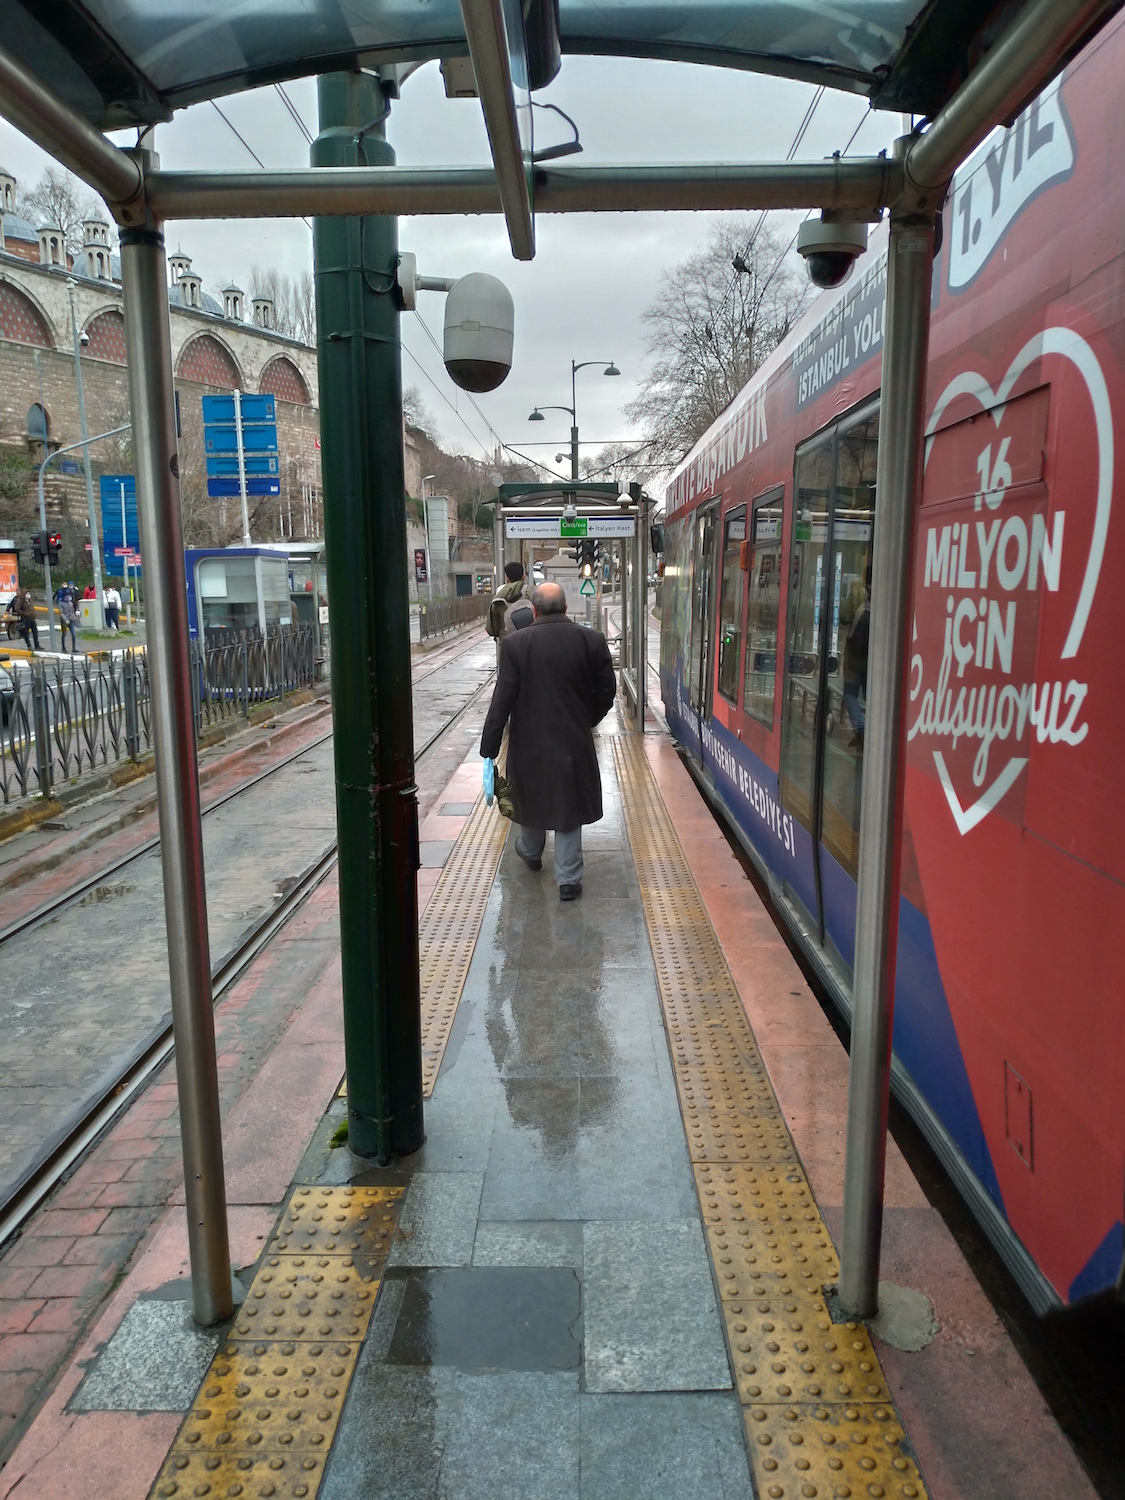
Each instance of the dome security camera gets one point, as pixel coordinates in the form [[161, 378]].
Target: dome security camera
[[830, 250], [480, 321], [84, 338]]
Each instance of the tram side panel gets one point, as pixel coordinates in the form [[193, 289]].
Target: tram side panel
[[1008, 1018]]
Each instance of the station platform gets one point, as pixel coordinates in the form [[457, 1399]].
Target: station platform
[[603, 1275]]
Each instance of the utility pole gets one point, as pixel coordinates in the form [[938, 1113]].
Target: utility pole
[[364, 490], [95, 549]]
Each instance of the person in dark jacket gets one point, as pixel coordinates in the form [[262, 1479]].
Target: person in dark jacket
[[555, 682], [25, 616]]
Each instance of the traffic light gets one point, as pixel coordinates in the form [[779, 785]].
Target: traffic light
[[586, 556], [36, 547], [54, 543]]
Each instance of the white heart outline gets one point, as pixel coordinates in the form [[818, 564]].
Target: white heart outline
[[1072, 346]]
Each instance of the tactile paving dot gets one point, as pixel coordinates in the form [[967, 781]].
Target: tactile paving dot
[[769, 1193], [242, 1412], [749, 1256], [276, 1476], [809, 1452], [307, 1297], [338, 1221], [803, 1356]]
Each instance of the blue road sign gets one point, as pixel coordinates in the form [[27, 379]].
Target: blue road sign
[[260, 439], [224, 466], [254, 409], [258, 486], [113, 538]]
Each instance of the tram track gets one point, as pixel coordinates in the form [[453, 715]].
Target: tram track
[[63, 1151]]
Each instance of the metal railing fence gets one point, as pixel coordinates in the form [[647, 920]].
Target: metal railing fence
[[62, 719], [437, 616]]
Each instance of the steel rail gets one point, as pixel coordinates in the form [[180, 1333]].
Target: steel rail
[[75, 893], [63, 1153]]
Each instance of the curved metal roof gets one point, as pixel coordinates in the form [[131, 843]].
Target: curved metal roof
[[131, 61]]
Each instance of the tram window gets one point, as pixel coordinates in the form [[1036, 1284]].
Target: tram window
[[764, 576], [730, 604], [807, 599], [853, 526]]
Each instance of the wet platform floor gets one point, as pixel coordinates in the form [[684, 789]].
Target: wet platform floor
[[547, 1326]]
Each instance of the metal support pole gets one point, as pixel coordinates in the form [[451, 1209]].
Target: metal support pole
[[497, 557], [148, 344], [642, 612], [91, 513], [241, 468], [132, 716], [901, 421], [41, 718], [365, 527]]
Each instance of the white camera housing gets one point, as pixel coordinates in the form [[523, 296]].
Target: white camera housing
[[480, 323], [830, 250]]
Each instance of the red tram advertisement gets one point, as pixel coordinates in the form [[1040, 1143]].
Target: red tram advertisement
[[1009, 1044]]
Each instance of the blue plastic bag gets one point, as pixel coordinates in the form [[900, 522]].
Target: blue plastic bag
[[489, 780]]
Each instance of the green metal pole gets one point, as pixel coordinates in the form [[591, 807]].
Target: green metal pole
[[365, 533]]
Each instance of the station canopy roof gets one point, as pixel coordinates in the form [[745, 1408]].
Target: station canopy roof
[[122, 62]]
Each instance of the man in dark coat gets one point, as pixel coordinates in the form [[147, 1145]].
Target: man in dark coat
[[555, 682]]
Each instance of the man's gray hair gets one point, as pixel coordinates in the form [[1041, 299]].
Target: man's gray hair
[[549, 599]]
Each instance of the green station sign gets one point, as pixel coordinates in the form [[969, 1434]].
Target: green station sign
[[577, 527]]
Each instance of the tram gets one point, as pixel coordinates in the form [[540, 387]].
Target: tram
[[1009, 1043]]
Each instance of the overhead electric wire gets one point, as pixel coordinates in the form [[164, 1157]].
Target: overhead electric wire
[[238, 134], [295, 112]]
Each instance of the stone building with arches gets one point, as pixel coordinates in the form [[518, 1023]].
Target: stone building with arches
[[216, 347]]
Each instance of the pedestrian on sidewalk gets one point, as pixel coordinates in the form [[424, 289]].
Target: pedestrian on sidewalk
[[554, 684], [25, 615], [68, 613], [510, 608], [112, 608]]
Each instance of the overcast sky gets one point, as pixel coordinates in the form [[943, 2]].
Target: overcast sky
[[593, 275]]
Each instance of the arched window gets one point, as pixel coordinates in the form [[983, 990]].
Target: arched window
[[107, 337], [206, 361], [38, 424], [281, 378], [20, 320]]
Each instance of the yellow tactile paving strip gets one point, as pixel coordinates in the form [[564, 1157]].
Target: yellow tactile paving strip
[[819, 1418], [449, 927], [267, 1410]]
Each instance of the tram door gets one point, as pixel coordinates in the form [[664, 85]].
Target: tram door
[[825, 698], [701, 655]]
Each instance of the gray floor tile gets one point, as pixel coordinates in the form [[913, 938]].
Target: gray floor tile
[[534, 1243], [687, 1446], [438, 1434], [154, 1361], [533, 1165], [482, 1319], [650, 1318], [438, 1221], [459, 1127]]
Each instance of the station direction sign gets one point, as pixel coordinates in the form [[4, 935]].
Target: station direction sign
[[545, 528], [255, 485], [240, 441], [220, 409], [255, 439], [120, 534]]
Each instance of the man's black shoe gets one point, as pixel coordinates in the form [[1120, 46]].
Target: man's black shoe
[[569, 892], [532, 864]]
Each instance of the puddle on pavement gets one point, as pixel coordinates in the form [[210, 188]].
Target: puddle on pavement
[[486, 1318], [102, 893]]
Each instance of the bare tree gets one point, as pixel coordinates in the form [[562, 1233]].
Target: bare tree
[[61, 200], [416, 414], [713, 323]]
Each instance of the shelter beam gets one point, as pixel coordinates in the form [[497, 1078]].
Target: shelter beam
[[898, 478], [44, 117], [866, 184], [490, 48], [144, 281], [1023, 59]]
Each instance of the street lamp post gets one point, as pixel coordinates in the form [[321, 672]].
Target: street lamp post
[[426, 479], [537, 415], [95, 551]]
